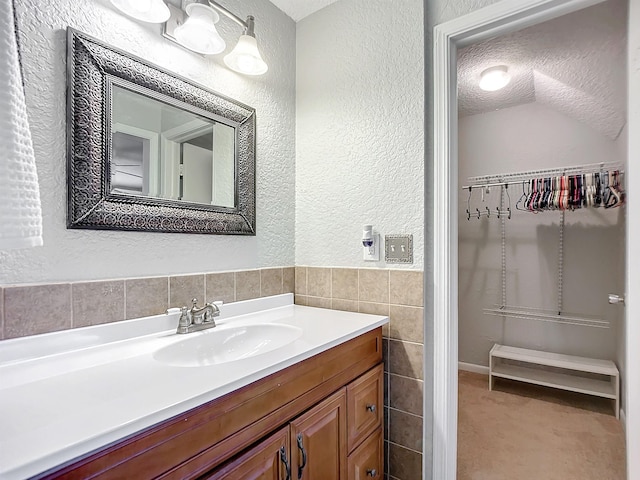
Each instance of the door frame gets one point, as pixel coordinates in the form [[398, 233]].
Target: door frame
[[500, 18]]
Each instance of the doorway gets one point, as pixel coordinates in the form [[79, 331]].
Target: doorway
[[501, 18], [529, 287]]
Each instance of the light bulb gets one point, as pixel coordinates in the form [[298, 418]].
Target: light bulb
[[142, 6], [151, 11], [198, 32], [245, 57], [494, 78]]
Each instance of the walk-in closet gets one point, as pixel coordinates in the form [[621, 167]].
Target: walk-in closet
[[541, 250]]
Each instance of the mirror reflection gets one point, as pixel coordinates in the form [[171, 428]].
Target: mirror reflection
[[163, 152]]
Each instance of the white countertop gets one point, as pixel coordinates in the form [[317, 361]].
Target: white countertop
[[65, 394]]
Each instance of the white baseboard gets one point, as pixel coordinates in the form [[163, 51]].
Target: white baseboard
[[471, 367], [623, 420]]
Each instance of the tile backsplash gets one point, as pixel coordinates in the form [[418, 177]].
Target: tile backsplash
[[79, 304], [397, 294]]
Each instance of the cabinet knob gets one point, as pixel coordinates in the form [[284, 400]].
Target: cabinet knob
[[371, 408], [372, 472]]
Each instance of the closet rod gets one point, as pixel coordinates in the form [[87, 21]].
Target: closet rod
[[519, 177], [495, 184]]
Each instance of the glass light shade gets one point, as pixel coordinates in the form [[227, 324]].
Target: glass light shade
[[151, 11], [494, 78], [198, 32], [245, 57]]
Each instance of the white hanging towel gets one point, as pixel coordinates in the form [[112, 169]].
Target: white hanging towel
[[20, 213]]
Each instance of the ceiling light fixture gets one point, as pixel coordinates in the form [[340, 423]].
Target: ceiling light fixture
[[494, 78], [151, 11], [193, 27]]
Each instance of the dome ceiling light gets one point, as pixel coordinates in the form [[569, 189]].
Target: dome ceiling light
[[494, 78]]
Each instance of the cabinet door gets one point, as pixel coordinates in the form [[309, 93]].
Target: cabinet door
[[269, 460], [319, 440], [366, 462]]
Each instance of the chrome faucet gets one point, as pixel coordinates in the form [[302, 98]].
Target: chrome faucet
[[195, 318]]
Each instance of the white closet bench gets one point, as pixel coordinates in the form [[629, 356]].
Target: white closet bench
[[527, 370]]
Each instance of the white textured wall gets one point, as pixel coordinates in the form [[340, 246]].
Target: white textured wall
[[92, 254], [360, 129], [516, 139]]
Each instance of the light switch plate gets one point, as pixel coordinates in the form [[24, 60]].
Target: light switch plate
[[398, 248]]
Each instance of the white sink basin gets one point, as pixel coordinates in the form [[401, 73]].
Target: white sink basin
[[222, 345]]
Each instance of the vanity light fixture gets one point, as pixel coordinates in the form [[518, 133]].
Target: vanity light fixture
[[198, 32], [151, 11], [245, 57], [193, 27], [495, 78]]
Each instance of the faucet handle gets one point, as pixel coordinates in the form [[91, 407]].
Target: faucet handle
[[184, 317], [194, 302], [217, 307], [185, 321]]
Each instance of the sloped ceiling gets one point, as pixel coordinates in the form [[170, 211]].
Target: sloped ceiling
[[298, 9], [575, 64]]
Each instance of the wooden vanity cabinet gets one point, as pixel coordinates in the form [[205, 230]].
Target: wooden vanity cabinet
[[319, 448], [331, 401]]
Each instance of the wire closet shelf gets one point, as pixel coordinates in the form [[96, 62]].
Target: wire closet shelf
[[542, 315], [503, 213], [516, 178]]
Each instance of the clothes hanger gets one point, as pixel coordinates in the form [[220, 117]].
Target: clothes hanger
[[606, 190], [484, 190], [508, 211], [588, 184], [613, 199], [597, 199], [532, 195], [547, 194], [565, 192], [522, 198]]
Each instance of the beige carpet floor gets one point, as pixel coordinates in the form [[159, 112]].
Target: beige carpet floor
[[525, 432]]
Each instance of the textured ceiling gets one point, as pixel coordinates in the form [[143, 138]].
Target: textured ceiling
[[298, 9], [574, 64]]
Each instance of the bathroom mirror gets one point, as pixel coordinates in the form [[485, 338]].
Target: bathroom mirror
[[161, 151], [151, 151]]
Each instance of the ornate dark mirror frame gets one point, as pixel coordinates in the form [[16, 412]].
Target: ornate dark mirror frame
[[92, 69]]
